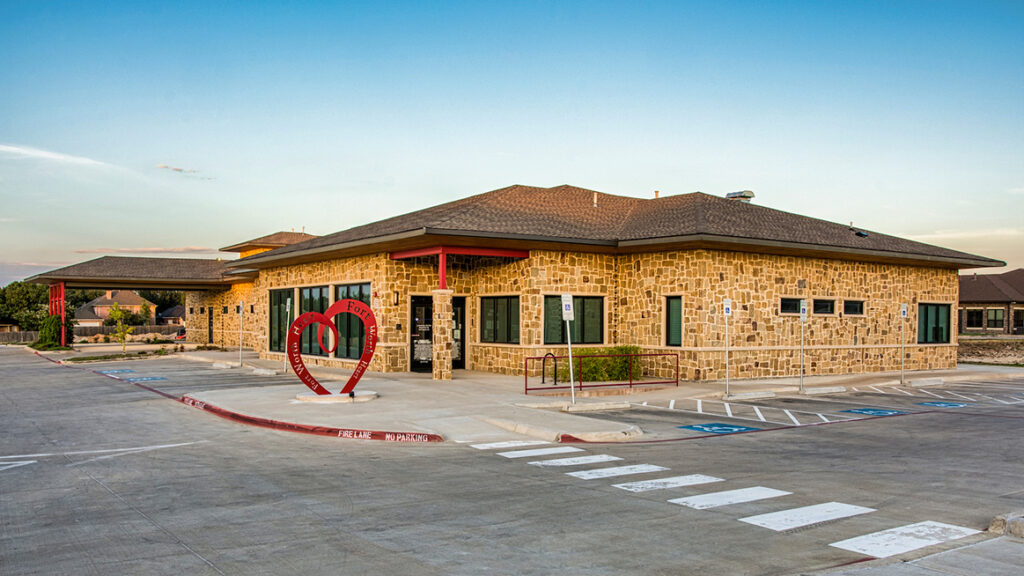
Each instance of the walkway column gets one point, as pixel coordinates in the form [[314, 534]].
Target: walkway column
[[442, 330]]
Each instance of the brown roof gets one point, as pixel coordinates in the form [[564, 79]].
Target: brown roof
[[122, 297], [131, 272], [1005, 287], [275, 240], [567, 214]]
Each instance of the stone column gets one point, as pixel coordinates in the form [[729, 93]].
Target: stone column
[[442, 330]]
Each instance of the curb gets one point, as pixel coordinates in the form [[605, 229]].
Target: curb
[[351, 433], [1009, 524]]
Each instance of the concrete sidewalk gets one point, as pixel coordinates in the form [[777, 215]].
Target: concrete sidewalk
[[1003, 556], [479, 406]]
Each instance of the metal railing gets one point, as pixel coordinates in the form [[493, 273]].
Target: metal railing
[[635, 377]]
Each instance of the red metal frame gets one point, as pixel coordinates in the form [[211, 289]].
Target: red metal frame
[[443, 251], [579, 372], [58, 306]]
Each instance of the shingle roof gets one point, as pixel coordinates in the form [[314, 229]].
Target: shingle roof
[[118, 269], [122, 297], [568, 214], [85, 312], [1005, 287], [274, 240], [176, 311]]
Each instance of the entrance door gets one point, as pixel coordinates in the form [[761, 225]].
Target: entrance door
[[1018, 321], [209, 326], [459, 332], [421, 357]]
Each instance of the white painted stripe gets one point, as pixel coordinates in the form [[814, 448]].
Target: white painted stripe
[[903, 539], [672, 405], [791, 417], [539, 452], [805, 516], [728, 409], [673, 482], [877, 390], [903, 391], [758, 412], [136, 449], [576, 461], [994, 399], [854, 389], [716, 499], [509, 444], [930, 394], [700, 407], [616, 471], [960, 396], [823, 419], [644, 403], [15, 464]]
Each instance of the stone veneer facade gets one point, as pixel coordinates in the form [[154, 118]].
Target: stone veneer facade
[[763, 342]]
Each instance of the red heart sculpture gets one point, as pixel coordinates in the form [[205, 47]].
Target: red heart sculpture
[[341, 306]]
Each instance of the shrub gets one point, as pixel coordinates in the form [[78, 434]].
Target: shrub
[[601, 369]]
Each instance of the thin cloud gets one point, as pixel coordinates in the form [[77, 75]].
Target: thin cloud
[[152, 250], [186, 171], [36, 153]]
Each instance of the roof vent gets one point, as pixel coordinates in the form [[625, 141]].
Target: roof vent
[[742, 196], [595, 199], [858, 233], [656, 193]]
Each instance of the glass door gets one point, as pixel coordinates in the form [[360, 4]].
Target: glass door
[[421, 351], [459, 333]]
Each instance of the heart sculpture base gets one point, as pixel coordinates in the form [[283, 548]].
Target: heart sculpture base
[[339, 398]]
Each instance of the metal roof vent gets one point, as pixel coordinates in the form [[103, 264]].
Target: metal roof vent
[[742, 196]]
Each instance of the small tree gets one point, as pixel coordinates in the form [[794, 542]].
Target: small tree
[[121, 329]]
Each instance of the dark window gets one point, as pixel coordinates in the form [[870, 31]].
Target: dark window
[[351, 332], [280, 318], [933, 323], [824, 307], [224, 310], [789, 306], [202, 310], [674, 321], [191, 310], [313, 299], [252, 309], [499, 319], [587, 328], [975, 318], [853, 307], [995, 318]]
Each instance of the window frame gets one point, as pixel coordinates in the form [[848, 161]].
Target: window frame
[[981, 316], [346, 321], [308, 340], [277, 331], [924, 313], [668, 320], [786, 299], [580, 306], [848, 313], [993, 315], [831, 303], [510, 334]]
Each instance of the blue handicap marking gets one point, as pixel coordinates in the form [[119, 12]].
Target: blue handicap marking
[[875, 411], [114, 371], [146, 378], [944, 404], [717, 428]]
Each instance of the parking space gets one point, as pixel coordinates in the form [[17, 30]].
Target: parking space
[[175, 377]]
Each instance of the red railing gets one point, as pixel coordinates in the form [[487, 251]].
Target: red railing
[[578, 362]]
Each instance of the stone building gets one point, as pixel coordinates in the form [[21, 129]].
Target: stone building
[[475, 284], [992, 303]]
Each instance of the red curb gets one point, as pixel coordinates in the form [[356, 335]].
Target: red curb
[[352, 433]]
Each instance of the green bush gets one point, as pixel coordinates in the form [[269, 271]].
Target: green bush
[[49, 334], [600, 369]]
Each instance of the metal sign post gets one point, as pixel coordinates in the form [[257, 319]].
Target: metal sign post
[[288, 314], [903, 343], [726, 313], [803, 320], [569, 316]]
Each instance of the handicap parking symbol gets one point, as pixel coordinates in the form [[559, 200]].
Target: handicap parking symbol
[[944, 404], [114, 371], [718, 428], [875, 411]]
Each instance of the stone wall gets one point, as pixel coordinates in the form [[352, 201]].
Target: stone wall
[[762, 341]]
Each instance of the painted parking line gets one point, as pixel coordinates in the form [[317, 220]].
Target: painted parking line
[[944, 404], [805, 516], [509, 444], [539, 452], [716, 499], [598, 473], [144, 378], [596, 459], [904, 539], [15, 464], [122, 371], [673, 482]]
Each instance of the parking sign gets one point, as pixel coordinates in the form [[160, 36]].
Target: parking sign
[[567, 312], [727, 306]]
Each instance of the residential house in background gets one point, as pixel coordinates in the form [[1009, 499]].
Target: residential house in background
[[173, 316], [992, 303], [94, 312]]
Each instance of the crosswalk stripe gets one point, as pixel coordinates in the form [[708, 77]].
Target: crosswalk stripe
[[716, 499], [903, 539], [540, 452], [509, 444], [576, 461], [673, 482], [805, 516], [616, 471]]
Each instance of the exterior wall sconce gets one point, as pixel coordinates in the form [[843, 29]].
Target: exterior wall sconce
[[396, 298]]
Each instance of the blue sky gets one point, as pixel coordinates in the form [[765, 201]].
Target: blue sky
[[178, 128]]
